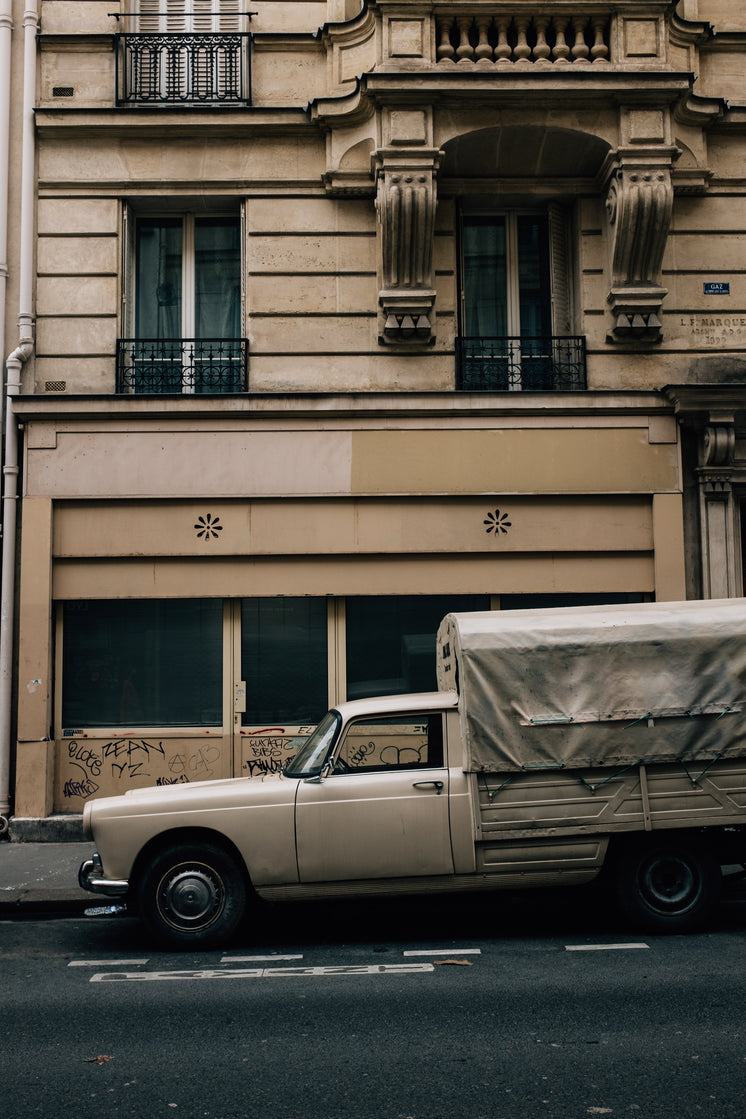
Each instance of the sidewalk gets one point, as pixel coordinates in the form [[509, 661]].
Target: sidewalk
[[43, 876]]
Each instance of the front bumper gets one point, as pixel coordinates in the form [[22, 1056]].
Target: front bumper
[[91, 877]]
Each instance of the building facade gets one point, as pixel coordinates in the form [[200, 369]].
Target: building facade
[[341, 318]]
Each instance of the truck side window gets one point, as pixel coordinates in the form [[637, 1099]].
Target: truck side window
[[409, 741]]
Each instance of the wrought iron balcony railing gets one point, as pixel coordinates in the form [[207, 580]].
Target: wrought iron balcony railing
[[184, 69], [551, 364], [182, 365]]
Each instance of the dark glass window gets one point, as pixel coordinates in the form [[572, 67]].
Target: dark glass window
[[284, 660], [141, 663], [391, 641], [550, 601]]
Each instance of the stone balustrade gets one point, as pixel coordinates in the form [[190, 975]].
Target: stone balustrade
[[503, 38]]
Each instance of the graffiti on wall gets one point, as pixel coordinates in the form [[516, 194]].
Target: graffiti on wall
[[93, 766], [267, 749]]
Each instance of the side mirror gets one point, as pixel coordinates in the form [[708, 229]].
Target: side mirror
[[321, 775]]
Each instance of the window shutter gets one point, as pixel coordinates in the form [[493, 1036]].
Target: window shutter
[[202, 17], [127, 272], [230, 18], [560, 264]]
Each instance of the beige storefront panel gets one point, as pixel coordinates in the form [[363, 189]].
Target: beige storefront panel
[[549, 461], [309, 575], [295, 462], [306, 527]]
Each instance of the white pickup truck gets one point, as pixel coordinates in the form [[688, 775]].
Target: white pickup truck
[[562, 743]]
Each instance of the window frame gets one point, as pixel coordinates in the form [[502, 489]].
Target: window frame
[[561, 265], [132, 216]]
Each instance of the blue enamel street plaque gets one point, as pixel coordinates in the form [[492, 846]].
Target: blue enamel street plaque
[[717, 287]]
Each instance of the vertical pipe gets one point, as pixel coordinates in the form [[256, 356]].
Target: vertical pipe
[[14, 365]]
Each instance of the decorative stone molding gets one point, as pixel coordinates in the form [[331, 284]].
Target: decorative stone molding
[[406, 199], [720, 575], [639, 204], [719, 445]]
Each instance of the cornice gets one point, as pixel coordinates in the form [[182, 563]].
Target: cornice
[[417, 85], [418, 405], [166, 123], [696, 402]]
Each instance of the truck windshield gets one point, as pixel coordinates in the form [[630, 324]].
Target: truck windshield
[[310, 758]]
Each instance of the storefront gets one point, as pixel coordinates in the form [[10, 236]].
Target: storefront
[[192, 599]]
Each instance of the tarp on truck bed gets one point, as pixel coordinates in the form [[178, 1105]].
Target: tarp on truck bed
[[598, 686]]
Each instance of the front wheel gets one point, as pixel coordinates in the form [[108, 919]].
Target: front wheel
[[667, 886], [192, 895]]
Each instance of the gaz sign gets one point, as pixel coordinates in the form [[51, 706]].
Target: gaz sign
[[717, 287]]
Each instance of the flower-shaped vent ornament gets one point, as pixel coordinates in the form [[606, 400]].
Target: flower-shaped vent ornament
[[208, 527], [497, 522]]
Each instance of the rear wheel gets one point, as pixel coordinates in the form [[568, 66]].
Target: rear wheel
[[192, 895], [667, 886]]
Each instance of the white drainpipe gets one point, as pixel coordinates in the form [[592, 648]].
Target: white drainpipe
[[14, 365]]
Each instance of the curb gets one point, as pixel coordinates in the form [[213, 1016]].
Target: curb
[[14, 902]]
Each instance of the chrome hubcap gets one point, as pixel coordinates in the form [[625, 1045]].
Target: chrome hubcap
[[191, 896]]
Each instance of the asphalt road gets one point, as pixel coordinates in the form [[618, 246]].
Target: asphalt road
[[463, 1009]]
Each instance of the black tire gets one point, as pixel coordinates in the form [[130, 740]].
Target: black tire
[[667, 886], [192, 895]]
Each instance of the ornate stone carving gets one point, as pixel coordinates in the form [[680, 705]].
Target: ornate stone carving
[[639, 205], [406, 199], [719, 445]]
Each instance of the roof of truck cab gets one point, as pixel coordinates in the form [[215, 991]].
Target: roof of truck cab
[[394, 704]]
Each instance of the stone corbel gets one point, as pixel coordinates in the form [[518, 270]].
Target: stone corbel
[[639, 206], [406, 199]]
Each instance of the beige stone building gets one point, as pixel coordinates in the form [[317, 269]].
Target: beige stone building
[[325, 321]]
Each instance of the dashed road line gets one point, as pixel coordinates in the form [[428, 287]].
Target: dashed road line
[[443, 952], [602, 947], [257, 959], [107, 963]]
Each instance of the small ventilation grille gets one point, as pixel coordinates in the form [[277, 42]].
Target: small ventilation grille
[[55, 386], [63, 91]]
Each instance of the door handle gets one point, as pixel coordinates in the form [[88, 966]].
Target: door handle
[[437, 785]]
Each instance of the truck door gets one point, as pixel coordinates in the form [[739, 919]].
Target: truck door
[[383, 811]]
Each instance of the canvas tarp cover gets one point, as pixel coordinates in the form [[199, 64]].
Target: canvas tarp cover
[[598, 686]]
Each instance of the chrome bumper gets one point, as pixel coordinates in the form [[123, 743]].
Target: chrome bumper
[[91, 877]]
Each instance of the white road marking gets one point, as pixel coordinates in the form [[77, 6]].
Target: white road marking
[[258, 973], [256, 959], [444, 952], [106, 963], [601, 947]]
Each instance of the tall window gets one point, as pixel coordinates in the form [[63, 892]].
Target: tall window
[[188, 277], [515, 302], [506, 275], [186, 310]]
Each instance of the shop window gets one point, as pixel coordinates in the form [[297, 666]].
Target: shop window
[[391, 641], [552, 601], [185, 295], [284, 660], [141, 663]]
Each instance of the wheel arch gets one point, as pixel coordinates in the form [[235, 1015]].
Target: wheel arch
[[192, 835]]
